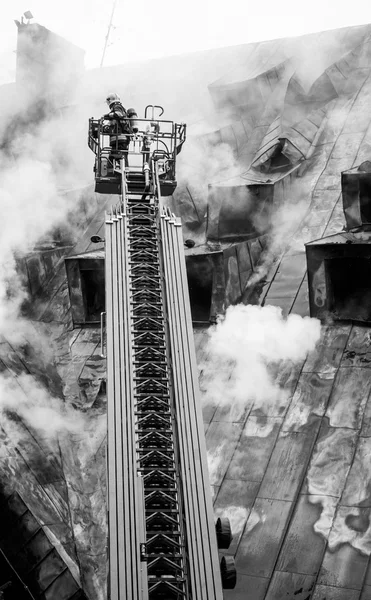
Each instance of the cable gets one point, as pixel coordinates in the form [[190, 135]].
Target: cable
[[108, 32]]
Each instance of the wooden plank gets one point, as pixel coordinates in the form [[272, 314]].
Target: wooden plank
[[8, 445], [317, 217], [247, 587], [293, 585], [349, 396], [92, 375], [46, 468], [358, 349], [330, 178], [233, 412], [208, 412], [208, 405], [71, 388], [289, 276], [309, 400], [87, 335], [323, 200], [301, 304], [325, 592], [336, 119], [309, 177], [304, 546], [235, 501], [86, 342], [221, 441], [328, 352], [368, 575], [337, 220], [347, 144], [52, 289], [288, 463], [303, 236], [12, 361], [284, 303], [292, 267], [57, 309], [357, 120], [283, 287], [351, 528], [254, 449], [366, 423], [284, 375], [243, 257], [38, 363], [330, 462], [261, 540], [343, 567], [356, 491]]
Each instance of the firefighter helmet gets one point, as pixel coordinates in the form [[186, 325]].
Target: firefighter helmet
[[111, 98]]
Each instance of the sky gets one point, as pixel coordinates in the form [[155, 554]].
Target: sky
[[147, 29]]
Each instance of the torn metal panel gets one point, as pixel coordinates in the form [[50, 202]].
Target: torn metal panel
[[252, 86], [232, 210], [243, 208], [269, 144], [284, 145]]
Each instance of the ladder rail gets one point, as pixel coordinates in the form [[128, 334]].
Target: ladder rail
[[162, 540]]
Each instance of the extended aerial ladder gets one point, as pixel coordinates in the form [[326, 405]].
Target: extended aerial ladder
[[163, 542]]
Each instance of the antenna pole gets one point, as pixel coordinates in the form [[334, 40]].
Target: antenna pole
[[108, 32]]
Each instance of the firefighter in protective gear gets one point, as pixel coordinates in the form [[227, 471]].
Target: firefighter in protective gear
[[119, 128]]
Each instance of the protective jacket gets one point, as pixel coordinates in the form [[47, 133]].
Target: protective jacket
[[118, 113]]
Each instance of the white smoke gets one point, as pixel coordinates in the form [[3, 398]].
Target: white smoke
[[41, 156], [241, 352], [31, 206], [34, 405], [200, 163], [243, 346], [281, 226]]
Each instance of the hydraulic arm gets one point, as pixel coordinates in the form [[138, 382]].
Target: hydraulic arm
[[162, 536]]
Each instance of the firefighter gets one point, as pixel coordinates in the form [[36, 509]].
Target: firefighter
[[120, 129]]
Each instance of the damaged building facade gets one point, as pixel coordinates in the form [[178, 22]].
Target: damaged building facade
[[284, 138]]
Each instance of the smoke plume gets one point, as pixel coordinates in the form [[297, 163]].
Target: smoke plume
[[201, 162], [282, 225], [34, 405], [43, 153], [244, 345]]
